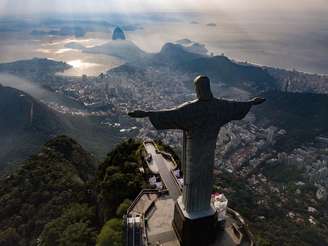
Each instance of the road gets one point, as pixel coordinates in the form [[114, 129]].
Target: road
[[164, 171]]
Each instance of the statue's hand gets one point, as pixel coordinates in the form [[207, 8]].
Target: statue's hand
[[138, 114], [257, 100]]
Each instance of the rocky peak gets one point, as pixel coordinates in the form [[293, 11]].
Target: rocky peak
[[118, 34]]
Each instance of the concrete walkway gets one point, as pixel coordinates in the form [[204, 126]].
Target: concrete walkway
[[164, 170]]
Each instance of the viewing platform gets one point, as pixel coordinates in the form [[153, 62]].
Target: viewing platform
[[148, 221]]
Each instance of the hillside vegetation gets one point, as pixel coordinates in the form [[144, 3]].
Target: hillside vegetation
[[60, 197]]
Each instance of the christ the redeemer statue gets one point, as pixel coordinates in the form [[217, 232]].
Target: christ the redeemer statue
[[200, 121]]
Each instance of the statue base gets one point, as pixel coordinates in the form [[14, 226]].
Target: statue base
[[197, 229]]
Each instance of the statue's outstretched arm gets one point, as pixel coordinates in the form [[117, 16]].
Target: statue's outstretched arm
[[163, 119], [143, 114], [235, 110]]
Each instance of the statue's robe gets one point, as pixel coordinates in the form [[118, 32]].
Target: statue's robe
[[200, 122]]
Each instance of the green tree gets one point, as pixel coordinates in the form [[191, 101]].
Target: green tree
[[9, 237], [73, 227], [78, 234], [111, 233], [121, 210]]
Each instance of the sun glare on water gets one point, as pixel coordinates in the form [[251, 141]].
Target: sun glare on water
[[81, 65]]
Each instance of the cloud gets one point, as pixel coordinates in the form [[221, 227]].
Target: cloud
[[20, 7]]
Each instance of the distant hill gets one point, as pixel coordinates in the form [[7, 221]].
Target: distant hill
[[34, 66], [295, 81], [124, 49], [218, 68], [192, 46], [173, 55], [25, 124], [221, 68], [63, 31], [118, 34]]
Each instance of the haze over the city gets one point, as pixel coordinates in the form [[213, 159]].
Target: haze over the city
[[289, 34], [19, 7]]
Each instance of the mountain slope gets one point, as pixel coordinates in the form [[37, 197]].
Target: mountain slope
[[60, 197], [25, 123], [20, 111], [173, 55], [303, 115], [49, 189], [218, 68]]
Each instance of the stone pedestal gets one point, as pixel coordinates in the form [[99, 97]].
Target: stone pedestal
[[194, 229]]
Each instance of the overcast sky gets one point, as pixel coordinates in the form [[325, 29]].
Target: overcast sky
[[20, 7]]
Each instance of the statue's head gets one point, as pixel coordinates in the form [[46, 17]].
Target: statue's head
[[203, 88]]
